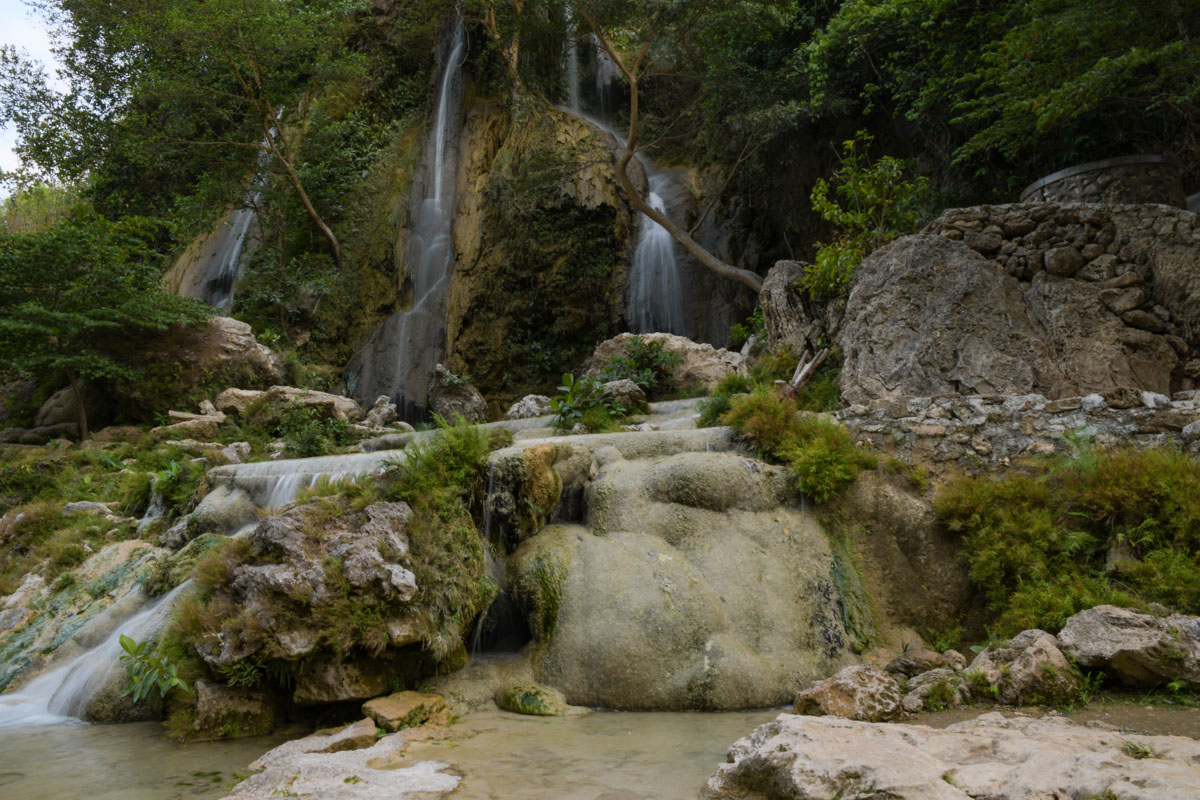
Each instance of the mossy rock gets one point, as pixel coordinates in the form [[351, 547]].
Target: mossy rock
[[537, 576], [533, 699]]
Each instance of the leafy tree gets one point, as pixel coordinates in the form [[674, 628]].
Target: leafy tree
[[71, 295], [1010, 88], [161, 91], [875, 202]]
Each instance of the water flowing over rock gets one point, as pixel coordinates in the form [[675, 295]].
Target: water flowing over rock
[[274, 484], [1139, 649], [91, 685], [930, 316], [988, 758], [655, 294], [398, 357]]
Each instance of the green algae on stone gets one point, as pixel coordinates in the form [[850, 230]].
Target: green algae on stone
[[533, 699]]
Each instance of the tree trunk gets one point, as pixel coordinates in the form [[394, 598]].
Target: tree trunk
[[745, 277], [77, 390]]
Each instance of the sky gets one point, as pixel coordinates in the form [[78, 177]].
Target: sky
[[19, 26]]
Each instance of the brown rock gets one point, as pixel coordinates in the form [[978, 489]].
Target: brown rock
[[403, 709], [1063, 261], [236, 401], [928, 316], [916, 660], [864, 693], [700, 365], [223, 712], [1143, 320], [792, 319]]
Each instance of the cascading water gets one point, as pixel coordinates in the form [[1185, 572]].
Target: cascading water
[[62, 694], [654, 300], [399, 357], [273, 484], [655, 293]]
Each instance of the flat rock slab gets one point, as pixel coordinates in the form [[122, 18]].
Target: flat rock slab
[[403, 709], [992, 757], [349, 776]]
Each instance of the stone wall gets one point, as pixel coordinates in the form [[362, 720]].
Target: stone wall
[[981, 433], [1131, 179], [1145, 259]]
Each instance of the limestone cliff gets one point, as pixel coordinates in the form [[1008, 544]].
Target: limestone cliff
[[541, 236]]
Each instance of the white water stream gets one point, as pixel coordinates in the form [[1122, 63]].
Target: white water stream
[[273, 484], [399, 358], [62, 694], [654, 297]]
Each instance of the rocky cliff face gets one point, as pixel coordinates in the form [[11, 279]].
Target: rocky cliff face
[[541, 237]]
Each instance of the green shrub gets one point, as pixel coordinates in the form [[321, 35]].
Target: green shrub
[[309, 432], [875, 203], [1037, 543], [820, 452], [577, 397], [755, 325], [646, 364]]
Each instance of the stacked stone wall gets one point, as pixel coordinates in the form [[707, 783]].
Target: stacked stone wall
[[1132, 179], [984, 433]]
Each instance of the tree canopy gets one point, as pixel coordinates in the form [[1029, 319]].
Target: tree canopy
[[72, 294]]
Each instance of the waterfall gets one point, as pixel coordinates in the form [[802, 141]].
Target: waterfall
[[62, 695], [572, 64], [655, 297], [399, 357], [273, 484]]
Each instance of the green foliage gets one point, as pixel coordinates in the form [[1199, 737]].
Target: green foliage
[[1037, 543], [308, 431], [34, 208], [151, 675], [1011, 90], [755, 325], [580, 396], [875, 202], [74, 292], [645, 363], [820, 452]]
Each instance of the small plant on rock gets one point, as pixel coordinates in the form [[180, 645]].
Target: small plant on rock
[[578, 397], [645, 363], [150, 674]]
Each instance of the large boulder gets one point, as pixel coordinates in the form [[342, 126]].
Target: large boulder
[[792, 319], [529, 406], [1030, 668], [700, 364], [823, 758], [227, 712], [309, 564], [451, 396], [1139, 649], [63, 407], [696, 584], [863, 692], [930, 316], [183, 364]]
